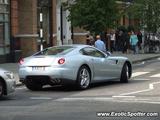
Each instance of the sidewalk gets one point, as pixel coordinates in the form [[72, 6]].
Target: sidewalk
[[134, 58], [138, 57]]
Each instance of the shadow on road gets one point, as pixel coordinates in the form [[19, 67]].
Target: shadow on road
[[72, 88]]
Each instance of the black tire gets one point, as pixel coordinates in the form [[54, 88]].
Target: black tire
[[125, 74], [1, 89], [33, 86], [83, 78], [156, 49]]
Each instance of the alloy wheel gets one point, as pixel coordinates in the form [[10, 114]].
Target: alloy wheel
[[127, 72], [84, 78]]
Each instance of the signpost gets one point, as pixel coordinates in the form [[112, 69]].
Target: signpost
[[41, 30]]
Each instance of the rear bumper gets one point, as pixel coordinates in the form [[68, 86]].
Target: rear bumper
[[58, 81], [48, 76]]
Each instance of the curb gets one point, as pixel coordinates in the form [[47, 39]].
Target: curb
[[145, 59]]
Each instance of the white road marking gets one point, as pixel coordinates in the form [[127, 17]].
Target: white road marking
[[142, 63], [20, 88], [156, 75], [151, 87], [141, 79], [85, 99], [146, 90], [40, 98], [138, 74], [138, 101], [103, 99], [120, 96]]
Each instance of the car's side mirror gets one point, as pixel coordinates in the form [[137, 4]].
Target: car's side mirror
[[108, 53]]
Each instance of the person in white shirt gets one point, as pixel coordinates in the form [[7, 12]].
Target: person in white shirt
[[112, 41]]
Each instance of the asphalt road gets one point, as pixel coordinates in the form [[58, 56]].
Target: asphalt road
[[137, 100]]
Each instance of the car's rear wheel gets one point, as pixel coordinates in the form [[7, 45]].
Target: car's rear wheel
[[32, 85], [83, 78], [1, 89], [125, 74]]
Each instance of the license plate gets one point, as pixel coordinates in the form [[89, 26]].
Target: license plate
[[38, 68]]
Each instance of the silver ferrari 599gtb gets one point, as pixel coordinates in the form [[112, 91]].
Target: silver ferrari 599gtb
[[79, 65]]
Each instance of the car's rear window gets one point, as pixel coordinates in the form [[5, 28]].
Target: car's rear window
[[61, 50]]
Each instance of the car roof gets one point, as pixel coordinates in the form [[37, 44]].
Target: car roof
[[74, 45]]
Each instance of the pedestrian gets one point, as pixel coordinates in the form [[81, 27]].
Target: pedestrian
[[100, 44], [121, 40], [126, 42], [112, 41], [91, 40], [117, 42], [139, 35], [87, 39], [134, 42]]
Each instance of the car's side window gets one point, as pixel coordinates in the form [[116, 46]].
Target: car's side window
[[89, 51]]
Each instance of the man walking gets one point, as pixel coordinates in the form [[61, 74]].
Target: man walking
[[100, 44]]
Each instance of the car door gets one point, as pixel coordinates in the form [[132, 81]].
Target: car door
[[102, 65]]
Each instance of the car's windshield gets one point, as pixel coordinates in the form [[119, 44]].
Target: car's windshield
[[56, 51]]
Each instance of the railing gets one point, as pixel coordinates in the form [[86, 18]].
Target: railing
[[151, 44]]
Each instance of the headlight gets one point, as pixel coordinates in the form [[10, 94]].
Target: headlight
[[10, 75]]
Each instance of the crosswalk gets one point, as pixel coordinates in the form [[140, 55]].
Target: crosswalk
[[156, 75], [138, 74], [149, 74]]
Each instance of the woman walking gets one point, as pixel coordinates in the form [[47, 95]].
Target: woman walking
[[133, 42]]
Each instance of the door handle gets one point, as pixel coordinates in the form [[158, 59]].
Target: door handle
[[92, 59]]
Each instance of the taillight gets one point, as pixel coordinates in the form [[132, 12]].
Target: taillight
[[61, 61], [21, 61]]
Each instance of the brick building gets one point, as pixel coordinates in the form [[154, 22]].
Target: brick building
[[26, 25], [20, 27]]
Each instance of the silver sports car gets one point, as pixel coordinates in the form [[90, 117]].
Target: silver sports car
[[77, 64], [7, 82]]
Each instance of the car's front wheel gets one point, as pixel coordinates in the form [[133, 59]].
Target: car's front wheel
[[125, 74], [83, 78], [31, 85], [1, 89]]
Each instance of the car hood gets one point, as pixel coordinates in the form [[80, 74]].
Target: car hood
[[39, 61]]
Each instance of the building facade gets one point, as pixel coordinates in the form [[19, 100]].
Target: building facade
[[26, 25], [4, 30], [38, 22]]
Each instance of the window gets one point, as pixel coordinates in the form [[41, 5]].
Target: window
[[56, 51], [89, 51], [4, 27], [4, 1], [1, 33]]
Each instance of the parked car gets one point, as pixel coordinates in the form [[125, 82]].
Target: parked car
[[7, 82], [78, 64]]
